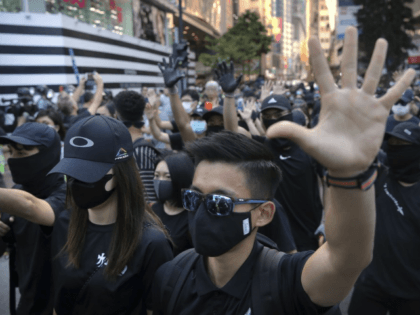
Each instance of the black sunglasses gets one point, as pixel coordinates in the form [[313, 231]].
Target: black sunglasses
[[217, 205]]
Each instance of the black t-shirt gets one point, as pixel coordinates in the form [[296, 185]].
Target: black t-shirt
[[391, 122], [177, 225], [129, 294], [33, 255], [395, 267], [81, 113], [174, 126], [200, 296], [279, 231], [298, 192], [176, 142]]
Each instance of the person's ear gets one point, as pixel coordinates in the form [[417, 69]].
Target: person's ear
[[265, 214]]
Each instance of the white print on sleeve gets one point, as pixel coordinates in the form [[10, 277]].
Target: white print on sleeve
[[248, 312], [399, 209]]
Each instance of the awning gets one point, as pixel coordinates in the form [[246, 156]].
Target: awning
[[198, 23]]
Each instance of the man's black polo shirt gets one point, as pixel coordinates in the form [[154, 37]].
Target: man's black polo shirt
[[200, 296]]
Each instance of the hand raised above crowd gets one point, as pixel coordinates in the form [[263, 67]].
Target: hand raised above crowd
[[352, 121], [226, 77], [171, 73], [266, 89], [246, 113]]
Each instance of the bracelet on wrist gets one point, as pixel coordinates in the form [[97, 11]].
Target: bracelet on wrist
[[229, 95], [362, 181]]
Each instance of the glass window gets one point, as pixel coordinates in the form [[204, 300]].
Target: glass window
[[108, 14], [10, 5]]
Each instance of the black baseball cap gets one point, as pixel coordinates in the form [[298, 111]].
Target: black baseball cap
[[199, 111], [215, 111], [406, 131], [33, 134], [276, 101], [93, 146]]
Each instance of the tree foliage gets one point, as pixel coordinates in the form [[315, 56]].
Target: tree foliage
[[389, 19], [245, 41]]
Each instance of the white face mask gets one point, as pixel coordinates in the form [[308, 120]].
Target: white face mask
[[198, 126], [187, 106], [401, 110]]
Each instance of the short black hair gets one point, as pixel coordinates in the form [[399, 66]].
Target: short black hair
[[130, 105], [253, 158], [194, 95]]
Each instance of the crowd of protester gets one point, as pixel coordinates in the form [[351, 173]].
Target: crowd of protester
[[259, 198]]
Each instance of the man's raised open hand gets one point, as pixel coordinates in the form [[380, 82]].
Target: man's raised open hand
[[352, 121]]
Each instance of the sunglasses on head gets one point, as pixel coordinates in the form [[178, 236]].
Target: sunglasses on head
[[217, 205]]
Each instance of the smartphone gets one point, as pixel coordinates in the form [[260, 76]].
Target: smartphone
[[89, 76]]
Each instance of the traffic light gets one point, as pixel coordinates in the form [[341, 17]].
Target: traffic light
[[181, 51]]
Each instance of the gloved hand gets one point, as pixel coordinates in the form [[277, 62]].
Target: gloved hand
[[171, 74], [226, 77]]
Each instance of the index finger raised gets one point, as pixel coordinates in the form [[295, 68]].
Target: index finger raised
[[320, 67]]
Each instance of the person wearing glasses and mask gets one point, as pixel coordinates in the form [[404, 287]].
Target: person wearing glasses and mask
[[172, 174], [231, 198], [107, 246]]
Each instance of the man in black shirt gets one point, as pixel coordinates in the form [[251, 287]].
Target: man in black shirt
[[35, 150], [392, 281], [130, 107], [235, 181], [298, 192]]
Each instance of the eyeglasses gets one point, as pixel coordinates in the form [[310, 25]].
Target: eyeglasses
[[217, 205], [274, 115]]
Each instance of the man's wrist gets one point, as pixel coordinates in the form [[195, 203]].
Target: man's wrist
[[173, 90], [230, 95]]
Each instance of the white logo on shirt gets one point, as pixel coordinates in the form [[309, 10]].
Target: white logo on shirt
[[399, 209], [248, 312], [284, 157], [102, 260]]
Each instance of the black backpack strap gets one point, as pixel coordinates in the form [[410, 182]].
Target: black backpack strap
[[176, 277], [265, 290]]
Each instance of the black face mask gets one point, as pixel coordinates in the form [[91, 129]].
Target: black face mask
[[269, 122], [31, 172], [213, 236], [164, 190], [214, 129], [88, 196], [404, 162]]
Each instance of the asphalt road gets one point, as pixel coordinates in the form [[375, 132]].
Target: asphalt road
[[4, 286]]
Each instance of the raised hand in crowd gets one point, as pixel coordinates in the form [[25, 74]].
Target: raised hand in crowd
[[80, 89], [345, 141], [97, 99], [266, 89], [246, 115], [226, 77], [171, 75], [279, 88]]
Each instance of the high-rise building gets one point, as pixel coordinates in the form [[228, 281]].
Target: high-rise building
[[324, 27]]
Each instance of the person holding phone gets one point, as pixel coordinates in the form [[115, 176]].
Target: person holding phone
[[107, 246]]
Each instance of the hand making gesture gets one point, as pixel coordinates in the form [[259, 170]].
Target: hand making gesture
[[246, 113], [352, 121], [226, 77], [266, 89], [171, 73]]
